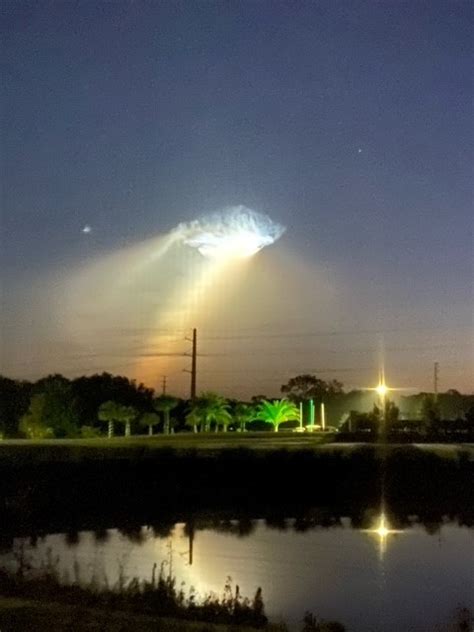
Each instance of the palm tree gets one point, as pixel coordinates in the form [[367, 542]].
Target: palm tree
[[112, 411], [221, 418], [215, 411], [211, 408], [127, 415], [150, 420], [194, 419], [277, 412], [165, 404], [108, 412], [243, 413]]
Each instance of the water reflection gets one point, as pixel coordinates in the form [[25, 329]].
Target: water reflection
[[379, 523], [382, 531], [313, 561]]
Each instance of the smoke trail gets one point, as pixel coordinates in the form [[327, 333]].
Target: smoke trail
[[235, 232]]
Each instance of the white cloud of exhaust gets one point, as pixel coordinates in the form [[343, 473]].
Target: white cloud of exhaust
[[237, 232]]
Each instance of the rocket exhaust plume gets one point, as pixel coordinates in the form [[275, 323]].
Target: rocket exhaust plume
[[238, 232], [114, 310]]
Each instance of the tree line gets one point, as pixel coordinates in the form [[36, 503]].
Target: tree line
[[106, 405], [98, 405]]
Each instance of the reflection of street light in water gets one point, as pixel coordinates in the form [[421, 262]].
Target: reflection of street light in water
[[382, 532]]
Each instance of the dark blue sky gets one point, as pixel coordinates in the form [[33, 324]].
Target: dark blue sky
[[348, 121]]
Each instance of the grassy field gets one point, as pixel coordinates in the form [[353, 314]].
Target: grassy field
[[190, 439], [18, 451], [150, 447]]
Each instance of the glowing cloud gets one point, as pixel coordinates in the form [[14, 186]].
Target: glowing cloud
[[237, 232]]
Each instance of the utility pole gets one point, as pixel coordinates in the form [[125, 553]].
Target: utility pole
[[193, 370], [190, 526], [435, 380], [163, 384], [193, 365]]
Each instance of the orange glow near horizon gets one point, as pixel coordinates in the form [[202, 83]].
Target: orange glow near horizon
[[208, 282]]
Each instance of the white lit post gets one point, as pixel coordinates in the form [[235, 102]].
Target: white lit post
[[323, 417]]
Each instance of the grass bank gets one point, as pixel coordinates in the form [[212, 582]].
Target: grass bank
[[17, 451], [157, 597], [27, 614]]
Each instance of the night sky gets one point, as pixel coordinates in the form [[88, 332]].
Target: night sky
[[349, 122]]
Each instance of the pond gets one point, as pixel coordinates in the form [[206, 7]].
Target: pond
[[373, 579]]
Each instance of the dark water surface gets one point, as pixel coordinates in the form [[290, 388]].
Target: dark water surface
[[409, 580]]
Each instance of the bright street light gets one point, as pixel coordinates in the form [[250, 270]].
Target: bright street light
[[382, 389]]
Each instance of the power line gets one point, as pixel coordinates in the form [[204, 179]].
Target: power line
[[353, 332], [342, 350]]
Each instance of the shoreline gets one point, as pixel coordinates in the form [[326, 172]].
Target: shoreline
[[79, 493], [21, 613]]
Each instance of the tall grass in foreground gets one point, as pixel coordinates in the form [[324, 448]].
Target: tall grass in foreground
[[157, 596]]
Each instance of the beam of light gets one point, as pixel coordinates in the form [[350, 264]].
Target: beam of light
[[128, 311], [237, 232], [207, 283], [139, 296], [103, 286], [382, 531], [226, 241]]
